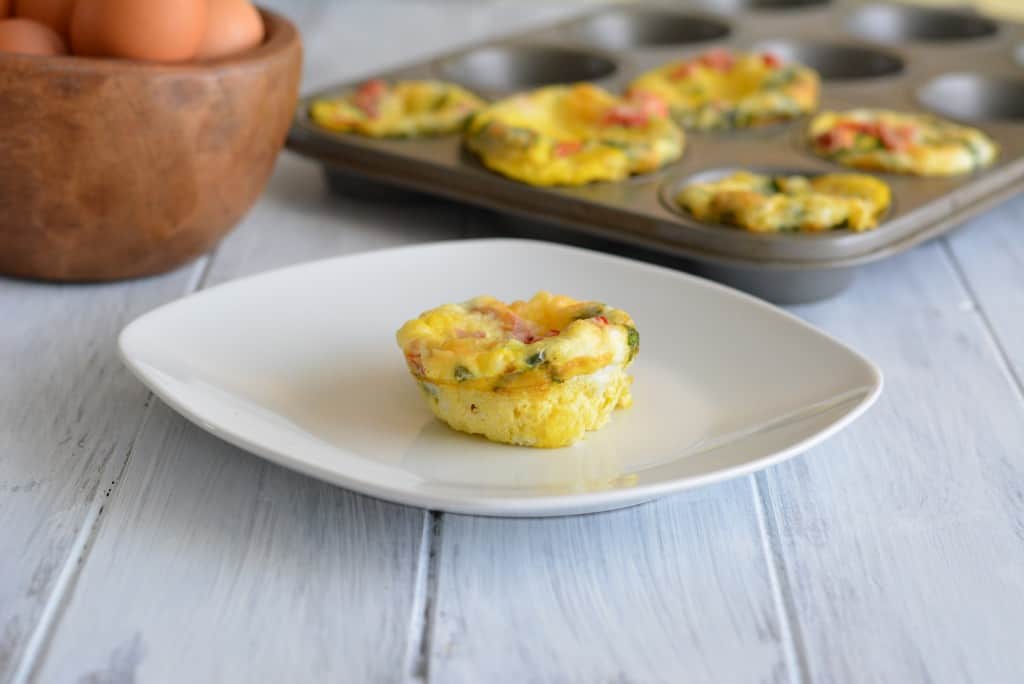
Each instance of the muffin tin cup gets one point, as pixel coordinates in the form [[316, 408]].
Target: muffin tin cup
[[359, 187], [780, 284], [625, 29], [498, 69], [924, 70], [906, 23]]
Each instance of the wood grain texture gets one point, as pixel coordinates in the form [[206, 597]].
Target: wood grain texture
[[296, 220], [902, 538], [679, 590], [213, 565], [114, 169], [989, 253], [893, 553], [69, 412]]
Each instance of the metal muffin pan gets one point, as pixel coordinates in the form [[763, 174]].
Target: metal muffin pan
[[953, 63]]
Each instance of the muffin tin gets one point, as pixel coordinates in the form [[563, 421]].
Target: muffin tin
[[954, 63]]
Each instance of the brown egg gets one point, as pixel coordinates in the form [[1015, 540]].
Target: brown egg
[[84, 34], [29, 37], [149, 30], [54, 13], [231, 26]]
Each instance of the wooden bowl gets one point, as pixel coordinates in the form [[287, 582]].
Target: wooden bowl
[[114, 169]]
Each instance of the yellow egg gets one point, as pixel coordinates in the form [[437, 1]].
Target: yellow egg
[[154, 30], [404, 109], [767, 204], [232, 26], [537, 373], [900, 142], [27, 37], [720, 89], [573, 135]]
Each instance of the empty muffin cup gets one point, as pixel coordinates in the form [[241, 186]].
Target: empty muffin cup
[[896, 24], [624, 28], [760, 5], [975, 97], [508, 68], [836, 62]]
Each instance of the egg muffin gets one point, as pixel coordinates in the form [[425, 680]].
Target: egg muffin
[[723, 90], [379, 109], [766, 204], [899, 142], [538, 373], [573, 135]]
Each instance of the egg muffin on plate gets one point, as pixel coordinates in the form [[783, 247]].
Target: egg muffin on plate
[[538, 373], [379, 109], [573, 135], [723, 90], [900, 142], [772, 204]]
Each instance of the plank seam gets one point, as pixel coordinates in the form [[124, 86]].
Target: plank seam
[[67, 579], [423, 619], [793, 649], [53, 609], [986, 323], [418, 615]]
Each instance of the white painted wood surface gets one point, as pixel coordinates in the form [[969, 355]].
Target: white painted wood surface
[[902, 540], [296, 220], [287, 566], [215, 567], [69, 413], [989, 253], [893, 553], [679, 590]]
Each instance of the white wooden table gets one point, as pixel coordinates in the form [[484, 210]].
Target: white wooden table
[[134, 547]]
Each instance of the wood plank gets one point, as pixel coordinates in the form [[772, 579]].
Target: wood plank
[[673, 591], [213, 566], [69, 413], [207, 552], [250, 571], [989, 252], [902, 539]]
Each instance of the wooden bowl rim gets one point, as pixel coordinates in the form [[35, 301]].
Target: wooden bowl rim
[[280, 37]]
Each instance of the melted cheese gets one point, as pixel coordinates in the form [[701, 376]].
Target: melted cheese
[[761, 203], [486, 344], [405, 109], [899, 142], [722, 90], [573, 135]]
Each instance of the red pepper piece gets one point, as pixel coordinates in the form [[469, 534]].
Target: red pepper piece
[[649, 103], [567, 148], [368, 96], [684, 70], [839, 138], [719, 58], [624, 115], [897, 138], [416, 363]]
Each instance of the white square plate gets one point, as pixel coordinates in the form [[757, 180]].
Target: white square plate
[[301, 367]]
